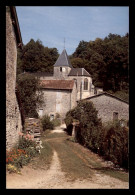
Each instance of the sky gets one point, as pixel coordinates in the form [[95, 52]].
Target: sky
[[52, 24]]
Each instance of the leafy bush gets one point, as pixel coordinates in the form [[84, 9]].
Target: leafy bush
[[115, 144], [21, 155], [88, 130], [110, 141], [46, 123]]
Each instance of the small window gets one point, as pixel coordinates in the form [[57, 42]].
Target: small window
[[60, 69], [85, 84], [115, 116]]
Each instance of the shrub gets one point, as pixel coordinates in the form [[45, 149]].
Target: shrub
[[12, 169], [46, 123], [89, 126], [110, 140], [21, 154], [56, 122], [115, 144]]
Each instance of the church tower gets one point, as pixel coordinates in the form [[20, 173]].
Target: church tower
[[62, 66]]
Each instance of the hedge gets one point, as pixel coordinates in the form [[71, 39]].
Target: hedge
[[110, 141]]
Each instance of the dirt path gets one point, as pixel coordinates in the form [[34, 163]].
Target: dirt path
[[55, 178]]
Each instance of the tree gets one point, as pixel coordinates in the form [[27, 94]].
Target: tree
[[106, 60], [30, 93], [37, 58]]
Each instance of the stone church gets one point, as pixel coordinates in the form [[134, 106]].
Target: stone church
[[63, 88]]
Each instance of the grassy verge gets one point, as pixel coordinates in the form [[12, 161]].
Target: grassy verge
[[73, 166], [44, 159], [96, 164], [77, 161]]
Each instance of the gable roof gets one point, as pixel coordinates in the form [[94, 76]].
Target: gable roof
[[107, 94], [42, 74], [57, 84], [63, 60], [78, 72]]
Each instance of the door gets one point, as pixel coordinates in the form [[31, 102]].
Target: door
[[58, 101]]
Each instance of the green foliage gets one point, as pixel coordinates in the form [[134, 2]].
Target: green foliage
[[115, 144], [46, 123], [110, 140], [25, 143], [56, 122], [36, 58], [106, 60], [30, 94], [124, 95], [21, 154], [89, 125]]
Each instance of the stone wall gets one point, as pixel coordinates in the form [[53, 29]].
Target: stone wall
[[74, 97], [107, 105], [58, 101], [63, 74], [13, 118], [13, 125], [81, 93]]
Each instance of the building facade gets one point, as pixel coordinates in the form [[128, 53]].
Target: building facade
[[109, 107], [64, 87], [14, 119]]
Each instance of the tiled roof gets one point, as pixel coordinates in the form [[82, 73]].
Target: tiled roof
[[78, 72], [107, 94], [63, 60], [57, 84], [42, 74]]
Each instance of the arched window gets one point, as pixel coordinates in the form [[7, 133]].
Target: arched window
[[85, 84]]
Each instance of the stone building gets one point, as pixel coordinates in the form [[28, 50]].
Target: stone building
[[64, 87], [14, 112], [110, 107]]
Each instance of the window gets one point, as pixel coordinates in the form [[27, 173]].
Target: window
[[60, 69], [115, 116], [85, 84]]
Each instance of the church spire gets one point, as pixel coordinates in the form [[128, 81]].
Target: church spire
[[63, 60]]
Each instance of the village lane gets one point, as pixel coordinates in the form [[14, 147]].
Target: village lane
[[72, 167]]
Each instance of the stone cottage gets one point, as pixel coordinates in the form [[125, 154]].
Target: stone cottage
[[64, 87], [110, 107], [14, 112]]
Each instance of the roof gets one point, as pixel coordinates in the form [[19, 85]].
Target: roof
[[42, 74], [57, 84], [107, 94], [16, 26], [78, 72], [63, 60]]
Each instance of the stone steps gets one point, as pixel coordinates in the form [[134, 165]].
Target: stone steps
[[33, 127]]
